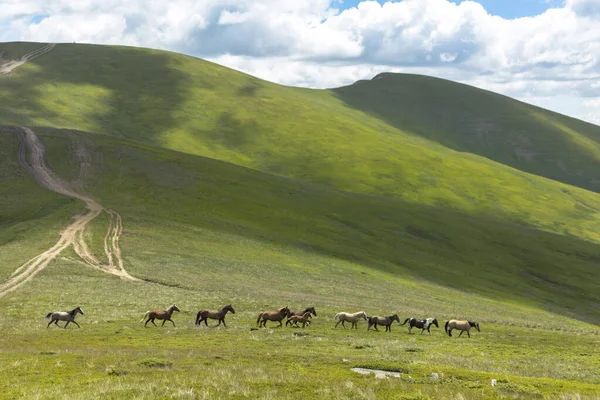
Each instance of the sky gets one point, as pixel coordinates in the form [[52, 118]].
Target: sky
[[544, 52]]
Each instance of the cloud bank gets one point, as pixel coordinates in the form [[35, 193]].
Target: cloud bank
[[552, 59]]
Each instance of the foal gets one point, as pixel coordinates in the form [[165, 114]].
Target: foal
[[297, 318], [462, 326], [299, 314], [165, 315], [385, 321], [278, 316], [64, 316], [214, 314], [421, 323]]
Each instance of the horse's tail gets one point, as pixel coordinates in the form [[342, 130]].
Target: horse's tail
[[405, 321], [49, 315], [258, 319], [145, 315], [446, 326], [198, 316], [336, 316]]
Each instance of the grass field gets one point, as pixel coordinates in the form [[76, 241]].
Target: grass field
[[320, 205]]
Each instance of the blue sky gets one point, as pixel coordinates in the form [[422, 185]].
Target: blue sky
[[504, 8]]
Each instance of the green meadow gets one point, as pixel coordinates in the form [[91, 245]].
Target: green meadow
[[238, 191]]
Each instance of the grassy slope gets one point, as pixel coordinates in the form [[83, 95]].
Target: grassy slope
[[219, 231], [186, 104], [258, 241], [476, 121]]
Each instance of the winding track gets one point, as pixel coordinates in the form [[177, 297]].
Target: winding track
[[72, 234], [7, 67]]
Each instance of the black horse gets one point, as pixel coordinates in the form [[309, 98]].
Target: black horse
[[421, 323]]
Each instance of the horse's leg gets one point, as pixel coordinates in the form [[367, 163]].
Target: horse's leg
[[223, 322], [56, 323], [173, 322], [280, 324], [450, 332], [206, 321], [468, 333], [422, 330], [76, 324], [154, 323], [51, 321], [65, 327], [460, 334]]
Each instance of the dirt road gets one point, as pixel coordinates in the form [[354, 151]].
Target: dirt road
[[8, 66], [74, 234]]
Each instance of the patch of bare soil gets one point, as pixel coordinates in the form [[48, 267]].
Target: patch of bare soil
[[74, 234]]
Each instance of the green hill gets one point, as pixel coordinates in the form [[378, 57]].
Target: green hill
[[236, 190], [467, 119]]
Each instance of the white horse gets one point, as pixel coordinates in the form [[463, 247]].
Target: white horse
[[354, 318], [64, 316]]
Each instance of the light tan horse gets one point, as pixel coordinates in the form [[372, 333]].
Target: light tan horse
[[165, 315], [462, 326], [277, 316], [64, 316], [354, 318], [204, 315], [294, 319]]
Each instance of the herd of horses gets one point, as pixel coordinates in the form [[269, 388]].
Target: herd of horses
[[293, 319]]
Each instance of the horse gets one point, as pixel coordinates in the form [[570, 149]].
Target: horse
[[278, 316], [385, 321], [204, 315], [165, 315], [64, 316], [354, 318], [301, 313], [460, 325], [421, 323], [304, 319]]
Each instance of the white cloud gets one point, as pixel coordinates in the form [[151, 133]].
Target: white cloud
[[554, 55]]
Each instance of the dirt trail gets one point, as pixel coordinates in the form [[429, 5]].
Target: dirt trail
[[74, 234], [7, 67]]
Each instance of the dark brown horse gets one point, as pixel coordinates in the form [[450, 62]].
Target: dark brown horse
[[462, 326], [278, 316], [384, 321], [165, 315], [64, 316], [300, 318], [301, 313], [204, 315]]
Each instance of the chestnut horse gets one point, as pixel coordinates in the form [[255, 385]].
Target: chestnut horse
[[385, 321], [64, 316], [299, 314], [462, 326], [278, 316], [165, 315], [204, 315], [297, 318]]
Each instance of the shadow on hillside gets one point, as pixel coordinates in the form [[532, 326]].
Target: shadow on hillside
[[473, 254], [138, 89], [471, 120]]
